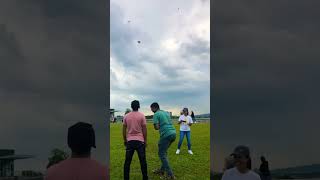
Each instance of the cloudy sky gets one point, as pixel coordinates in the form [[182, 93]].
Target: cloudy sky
[[52, 74], [170, 65], [266, 73]]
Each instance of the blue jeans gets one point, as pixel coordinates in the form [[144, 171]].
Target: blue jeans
[[187, 133], [164, 145]]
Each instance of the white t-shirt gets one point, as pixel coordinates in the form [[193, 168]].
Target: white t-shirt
[[184, 126], [234, 174]]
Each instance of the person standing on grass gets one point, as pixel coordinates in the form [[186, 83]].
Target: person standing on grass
[[185, 122], [163, 123], [135, 139], [264, 169], [81, 138], [193, 117], [241, 170]]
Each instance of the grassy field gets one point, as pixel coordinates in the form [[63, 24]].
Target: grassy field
[[184, 165]]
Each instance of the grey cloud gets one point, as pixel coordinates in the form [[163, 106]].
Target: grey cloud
[[265, 71], [53, 74]]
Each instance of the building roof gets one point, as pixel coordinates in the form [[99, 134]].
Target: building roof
[[113, 110], [14, 157]]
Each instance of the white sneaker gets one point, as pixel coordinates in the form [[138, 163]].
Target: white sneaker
[[190, 152], [178, 151]]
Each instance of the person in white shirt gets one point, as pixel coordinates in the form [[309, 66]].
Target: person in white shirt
[[185, 122], [241, 170]]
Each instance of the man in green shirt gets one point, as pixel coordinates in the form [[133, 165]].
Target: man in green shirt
[[163, 123]]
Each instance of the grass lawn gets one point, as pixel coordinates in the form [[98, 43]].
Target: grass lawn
[[184, 165]]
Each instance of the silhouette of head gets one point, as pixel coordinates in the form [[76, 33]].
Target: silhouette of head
[[135, 105], [263, 159], [81, 138], [154, 107]]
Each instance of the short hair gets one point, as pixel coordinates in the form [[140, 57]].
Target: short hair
[[155, 105], [135, 105], [81, 138]]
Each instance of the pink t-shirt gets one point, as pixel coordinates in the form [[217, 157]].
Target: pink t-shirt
[[134, 122], [77, 169]]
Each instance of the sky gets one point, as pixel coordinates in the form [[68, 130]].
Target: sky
[[171, 62], [52, 74], [265, 90]]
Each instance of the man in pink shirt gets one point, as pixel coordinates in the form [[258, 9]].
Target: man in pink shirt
[[80, 166], [135, 139]]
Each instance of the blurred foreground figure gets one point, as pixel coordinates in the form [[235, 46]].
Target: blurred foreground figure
[[81, 138], [241, 171]]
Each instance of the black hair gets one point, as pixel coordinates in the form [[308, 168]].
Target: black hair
[[155, 105], [186, 110], [81, 138], [135, 105]]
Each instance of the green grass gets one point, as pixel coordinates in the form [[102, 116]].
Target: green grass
[[184, 166]]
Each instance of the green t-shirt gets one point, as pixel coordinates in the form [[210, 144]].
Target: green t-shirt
[[166, 127]]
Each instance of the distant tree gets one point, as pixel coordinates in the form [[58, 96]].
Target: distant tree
[[149, 117], [127, 111], [57, 155]]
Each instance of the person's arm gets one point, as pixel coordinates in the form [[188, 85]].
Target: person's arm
[[144, 132], [179, 120], [144, 129], [156, 126], [124, 134], [124, 130], [190, 121], [156, 123]]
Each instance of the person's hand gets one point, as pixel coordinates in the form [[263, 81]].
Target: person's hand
[[125, 143], [145, 144]]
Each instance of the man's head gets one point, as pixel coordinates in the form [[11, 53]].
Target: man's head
[[135, 105], [241, 155], [81, 138], [263, 159], [154, 107], [185, 111]]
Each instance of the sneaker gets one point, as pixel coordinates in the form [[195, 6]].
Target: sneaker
[[190, 152], [171, 177], [178, 151], [158, 172], [168, 177]]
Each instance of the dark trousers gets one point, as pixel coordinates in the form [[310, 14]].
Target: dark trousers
[[141, 150], [164, 145]]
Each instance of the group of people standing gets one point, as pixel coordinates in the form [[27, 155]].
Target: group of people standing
[[238, 166], [135, 138]]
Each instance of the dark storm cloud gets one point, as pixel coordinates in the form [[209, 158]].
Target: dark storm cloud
[[53, 74], [265, 79]]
